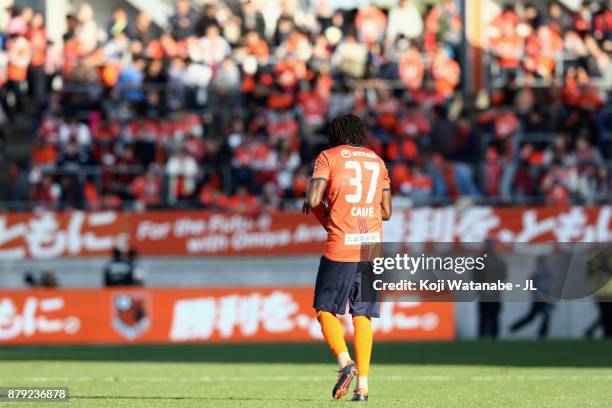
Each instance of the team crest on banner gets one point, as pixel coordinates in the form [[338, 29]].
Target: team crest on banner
[[131, 315]]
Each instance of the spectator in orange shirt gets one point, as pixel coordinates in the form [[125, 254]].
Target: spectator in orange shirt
[[213, 198], [402, 150], [446, 73], [412, 67], [257, 47], [44, 154], [371, 23], [542, 51], [555, 185], [413, 122], [243, 201], [301, 179], [505, 40], [312, 108], [19, 54], [415, 184], [146, 190]]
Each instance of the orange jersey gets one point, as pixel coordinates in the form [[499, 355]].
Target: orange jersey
[[356, 178]]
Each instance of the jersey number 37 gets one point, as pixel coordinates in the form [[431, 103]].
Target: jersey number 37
[[358, 170]]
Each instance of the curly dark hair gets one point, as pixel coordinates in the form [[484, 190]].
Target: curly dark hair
[[347, 130]]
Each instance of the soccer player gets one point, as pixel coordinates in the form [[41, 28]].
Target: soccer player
[[349, 194]]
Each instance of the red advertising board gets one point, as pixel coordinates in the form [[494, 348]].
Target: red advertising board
[[196, 315], [52, 235]]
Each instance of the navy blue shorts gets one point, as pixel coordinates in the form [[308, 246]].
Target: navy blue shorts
[[339, 283]]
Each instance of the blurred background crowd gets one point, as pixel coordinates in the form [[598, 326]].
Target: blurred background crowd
[[227, 105]]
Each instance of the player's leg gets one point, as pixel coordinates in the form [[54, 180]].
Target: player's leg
[[332, 288], [363, 351], [334, 336], [364, 305]]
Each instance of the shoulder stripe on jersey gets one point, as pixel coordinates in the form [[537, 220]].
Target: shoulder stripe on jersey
[[318, 178], [386, 189]]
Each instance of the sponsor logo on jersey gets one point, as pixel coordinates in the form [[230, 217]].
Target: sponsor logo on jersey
[[357, 239]]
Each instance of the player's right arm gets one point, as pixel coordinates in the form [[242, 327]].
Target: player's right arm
[[314, 195], [385, 205], [316, 190]]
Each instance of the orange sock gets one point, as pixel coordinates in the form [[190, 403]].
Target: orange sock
[[332, 332], [363, 343]]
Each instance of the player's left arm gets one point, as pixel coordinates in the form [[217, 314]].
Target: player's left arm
[[385, 203]]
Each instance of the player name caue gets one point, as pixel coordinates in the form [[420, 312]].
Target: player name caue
[[362, 211]]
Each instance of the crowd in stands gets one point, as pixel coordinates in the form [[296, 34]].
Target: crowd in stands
[[227, 106]]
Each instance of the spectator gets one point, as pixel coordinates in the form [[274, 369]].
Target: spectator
[[138, 271], [252, 19], [542, 48], [412, 67], [600, 187], [119, 23], [130, 83], [74, 131], [557, 18], [370, 23], [182, 22], [121, 270], [214, 47], [86, 30], [506, 40], [182, 171], [404, 20], [19, 54], [45, 192], [555, 185], [141, 29], [350, 57], [446, 73], [413, 183], [47, 280], [583, 18], [243, 201], [37, 36]]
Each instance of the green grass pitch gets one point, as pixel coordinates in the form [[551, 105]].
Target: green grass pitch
[[462, 374]]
